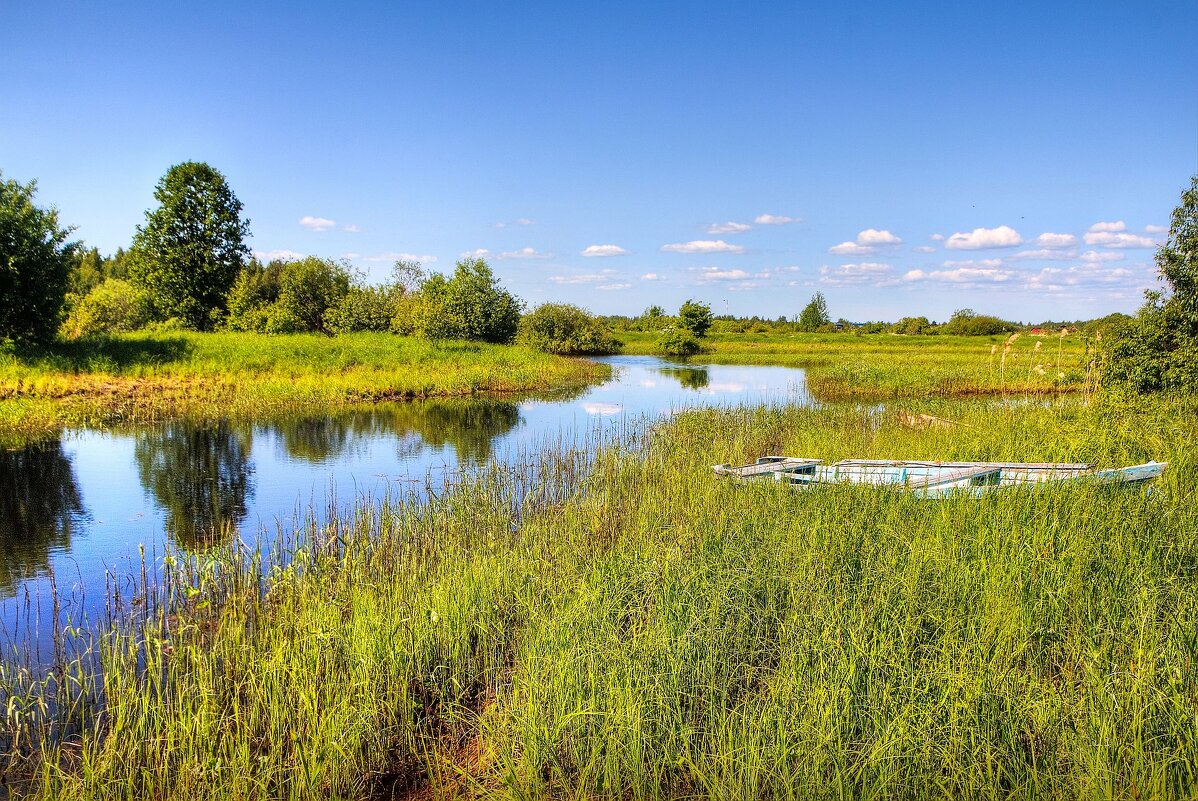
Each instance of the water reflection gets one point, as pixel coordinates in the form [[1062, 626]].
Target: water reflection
[[200, 476], [40, 505], [690, 377], [470, 427]]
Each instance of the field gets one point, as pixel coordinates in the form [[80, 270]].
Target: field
[[616, 623], [139, 378]]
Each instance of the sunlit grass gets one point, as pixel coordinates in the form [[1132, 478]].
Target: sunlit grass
[[145, 377], [639, 629]]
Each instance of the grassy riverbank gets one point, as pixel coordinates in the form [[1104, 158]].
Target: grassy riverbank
[[140, 378], [883, 366], [641, 630]]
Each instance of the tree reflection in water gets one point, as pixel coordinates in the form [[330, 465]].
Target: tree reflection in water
[[469, 425], [200, 475], [39, 507], [689, 377]]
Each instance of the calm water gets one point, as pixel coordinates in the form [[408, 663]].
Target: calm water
[[83, 505]]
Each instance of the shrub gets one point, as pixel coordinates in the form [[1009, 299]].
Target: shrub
[[695, 317], [678, 342], [470, 305], [308, 288], [566, 330], [967, 322], [362, 309], [114, 306]]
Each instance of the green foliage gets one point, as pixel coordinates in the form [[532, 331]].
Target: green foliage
[[567, 331], [814, 315], [967, 322], [112, 307], [695, 317], [471, 305], [913, 326], [289, 297], [363, 308], [308, 288], [678, 342], [35, 262], [192, 247], [1159, 348]]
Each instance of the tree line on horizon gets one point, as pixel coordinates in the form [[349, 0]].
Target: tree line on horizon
[[188, 268]]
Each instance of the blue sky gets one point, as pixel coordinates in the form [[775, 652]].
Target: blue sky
[[902, 158]]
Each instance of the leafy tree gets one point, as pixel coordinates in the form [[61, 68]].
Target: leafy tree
[[695, 317], [566, 330], [192, 247], [470, 305], [308, 288], [35, 263], [814, 315], [1159, 348], [363, 308]]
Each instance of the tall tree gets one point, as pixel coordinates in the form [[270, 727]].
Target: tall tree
[[815, 314], [192, 246], [35, 264], [1159, 348]]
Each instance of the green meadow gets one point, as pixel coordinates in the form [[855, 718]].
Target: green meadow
[[142, 378], [618, 623]]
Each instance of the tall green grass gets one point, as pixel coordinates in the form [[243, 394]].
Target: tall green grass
[[619, 624]]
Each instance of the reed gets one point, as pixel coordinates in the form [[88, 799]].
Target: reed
[[612, 622]]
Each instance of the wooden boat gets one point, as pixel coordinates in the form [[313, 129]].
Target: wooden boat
[[935, 479]]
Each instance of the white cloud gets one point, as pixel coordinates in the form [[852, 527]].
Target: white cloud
[[584, 278], [393, 256], [974, 264], [1044, 255], [481, 253], [272, 255], [525, 253], [774, 219], [1085, 275], [1108, 227], [727, 228], [983, 238], [851, 249], [1117, 240], [702, 246], [525, 221], [649, 277], [1155, 229], [924, 249], [612, 287], [1049, 240], [872, 236], [1093, 256], [854, 274], [317, 223], [604, 250], [350, 228], [716, 274], [937, 237], [961, 275]]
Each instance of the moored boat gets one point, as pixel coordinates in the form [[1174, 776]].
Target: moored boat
[[935, 479]]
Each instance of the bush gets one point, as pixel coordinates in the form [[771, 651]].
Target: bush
[[695, 317], [566, 330], [287, 297], [470, 305], [362, 309], [966, 322], [113, 307], [678, 342]]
